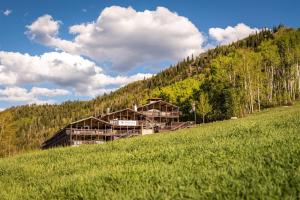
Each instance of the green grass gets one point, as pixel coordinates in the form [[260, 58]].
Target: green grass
[[257, 157]]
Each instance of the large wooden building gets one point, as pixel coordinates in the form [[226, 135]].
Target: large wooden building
[[85, 131], [157, 115], [129, 120], [165, 115]]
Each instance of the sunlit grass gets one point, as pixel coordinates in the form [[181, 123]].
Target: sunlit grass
[[256, 157]]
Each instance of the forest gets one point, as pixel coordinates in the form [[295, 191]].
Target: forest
[[235, 80]]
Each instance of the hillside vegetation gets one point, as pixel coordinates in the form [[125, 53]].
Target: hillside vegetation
[[256, 157], [258, 72]]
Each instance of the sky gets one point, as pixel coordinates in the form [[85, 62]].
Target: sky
[[57, 50]]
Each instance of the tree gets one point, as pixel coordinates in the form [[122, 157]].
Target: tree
[[270, 61], [203, 106]]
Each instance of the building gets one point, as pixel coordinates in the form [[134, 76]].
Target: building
[[165, 115], [90, 130], [130, 121], [156, 116]]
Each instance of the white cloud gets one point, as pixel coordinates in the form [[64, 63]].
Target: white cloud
[[7, 12], [48, 92], [125, 37], [62, 69], [102, 81], [2, 109], [231, 34], [45, 31], [18, 94], [43, 28]]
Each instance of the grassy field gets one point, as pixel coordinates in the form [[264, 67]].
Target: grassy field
[[257, 157]]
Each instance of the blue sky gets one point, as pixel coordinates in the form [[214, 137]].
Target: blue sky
[[43, 60]]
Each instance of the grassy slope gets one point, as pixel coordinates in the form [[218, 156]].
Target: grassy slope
[[254, 157]]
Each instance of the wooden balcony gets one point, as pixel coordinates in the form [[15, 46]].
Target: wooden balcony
[[100, 132], [161, 114], [74, 131], [131, 124]]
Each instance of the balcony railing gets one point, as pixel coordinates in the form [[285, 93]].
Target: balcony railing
[[160, 114], [95, 132], [129, 123], [89, 131]]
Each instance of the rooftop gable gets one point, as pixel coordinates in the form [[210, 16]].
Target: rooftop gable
[[89, 121], [161, 102], [124, 111]]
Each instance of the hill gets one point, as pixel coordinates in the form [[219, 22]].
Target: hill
[[255, 157], [258, 72]]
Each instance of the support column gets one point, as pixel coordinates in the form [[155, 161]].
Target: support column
[[135, 120], [76, 133], [160, 112], [71, 134], [178, 114], [172, 120], [166, 117], [98, 132], [119, 125], [83, 131], [127, 119]]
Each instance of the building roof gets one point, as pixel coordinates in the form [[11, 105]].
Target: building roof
[[154, 99], [90, 118], [123, 111], [91, 121], [159, 101]]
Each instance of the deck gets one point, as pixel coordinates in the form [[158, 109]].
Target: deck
[[161, 114]]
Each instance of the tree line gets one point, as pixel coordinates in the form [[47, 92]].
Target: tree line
[[242, 79]]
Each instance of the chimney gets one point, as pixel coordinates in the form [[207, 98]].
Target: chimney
[[135, 107], [107, 110]]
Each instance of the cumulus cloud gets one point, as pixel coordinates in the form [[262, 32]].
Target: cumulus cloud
[[231, 34], [36, 91], [62, 69], [18, 94], [124, 37], [45, 31], [7, 12]]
